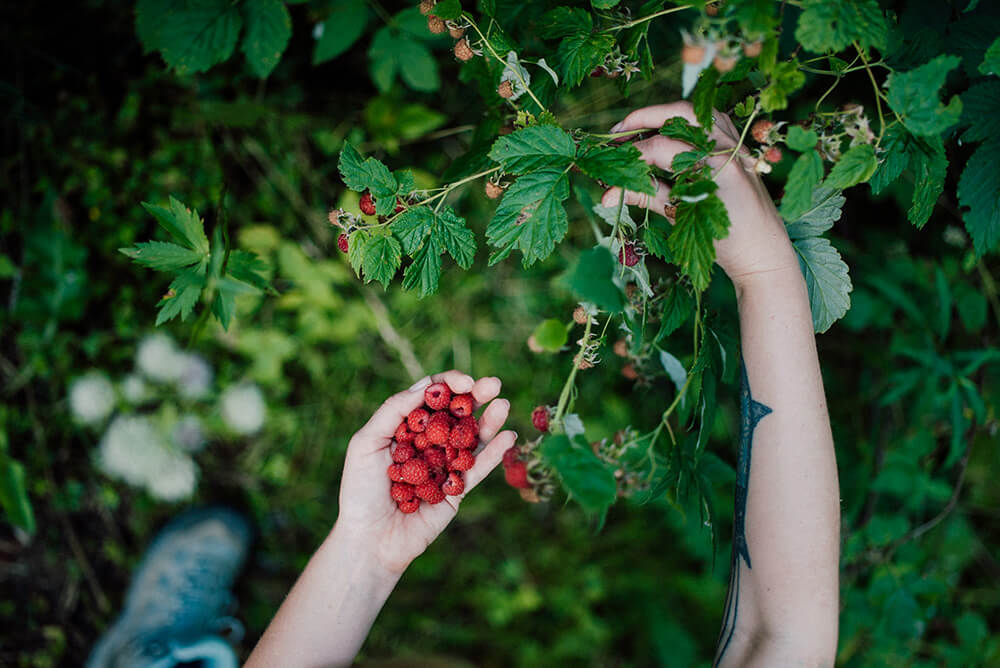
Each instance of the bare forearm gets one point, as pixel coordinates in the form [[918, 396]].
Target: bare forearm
[[788, 513], [325, 618]]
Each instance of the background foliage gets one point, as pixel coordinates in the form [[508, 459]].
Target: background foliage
[[91, 129]]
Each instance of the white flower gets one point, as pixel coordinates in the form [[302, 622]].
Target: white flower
[[195, 378], [91, 397], [134, 451], [134, 389], [159, 359], [243, 408], [187, 434]]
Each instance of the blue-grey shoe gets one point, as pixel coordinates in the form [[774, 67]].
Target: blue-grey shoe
[[179, 605]]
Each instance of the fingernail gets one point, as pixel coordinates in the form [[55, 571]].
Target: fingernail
[[616, 127], [420, 384]]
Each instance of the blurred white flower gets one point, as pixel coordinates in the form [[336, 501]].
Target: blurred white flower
[[133, 450], [134, 389], [91, 397], [159, 358], [243, 408], [195, 378], [188, 434]]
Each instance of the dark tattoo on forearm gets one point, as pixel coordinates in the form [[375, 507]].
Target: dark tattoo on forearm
[[751, 412]]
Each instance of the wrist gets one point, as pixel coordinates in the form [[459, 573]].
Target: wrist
[[770, 280], [353, 545]]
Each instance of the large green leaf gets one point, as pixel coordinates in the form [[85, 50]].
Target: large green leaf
[[197, 34], [394, 52], [979, 111], [590, 279], [380, 258], [424, 272], [578, 54], [930, 166], [979, 191], [531, 216], [698, 225], [855, 166], [827, 280], [832, 25], [806, 174], [916, 97], [620, 166], [341, 29], [820, 216], [533, 148], [162, 256], [185, 290], [587, 480], [362, 174], [269, 27], [182, 223]]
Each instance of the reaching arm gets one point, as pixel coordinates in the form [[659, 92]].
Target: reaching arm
[[327, 615], [783, 600]]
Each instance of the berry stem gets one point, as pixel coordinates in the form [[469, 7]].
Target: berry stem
[[568, 386], [743, 136], [878, 97], [489, 47], [662, 12]]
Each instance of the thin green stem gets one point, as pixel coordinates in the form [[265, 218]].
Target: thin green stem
[[739, 144], [878, 96], [444, 191], [503, 62], [632, 24], [568, 386]]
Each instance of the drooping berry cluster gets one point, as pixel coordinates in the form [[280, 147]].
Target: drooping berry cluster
[[434, 447]]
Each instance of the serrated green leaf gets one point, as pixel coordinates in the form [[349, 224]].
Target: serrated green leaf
[[820, 217], [832, 25], [248, 268], [566, 21], [604, 4], [393, 52], [551, 335], [182, 223], [826, 279], [14, 494], [979, 105], [590, 279], [854, 167], [380, 258], [531, 216], [756, 17], [991, 59], [799, 139], [916, 97], [676, 310], [162, 256], [194, 36], [930, 167], [341, 29], [979, 192], [703, 97], [413, 226], [533, 148], [424, 272], [804, 176], [448, 9], [577, 55], [698, 225], [656, 237], [786, 78], [360, 174], [455, 237], [686, 160], [620, 165], [355, 249], [678, 128], [186, 289], [269, 27], [584, 476], [894, 160]]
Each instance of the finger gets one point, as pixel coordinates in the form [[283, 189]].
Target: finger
[[378, 431], [488, 459], [655, 203], [459, 382], [660, 151], [492, 419], [486, 390], [653, 117]]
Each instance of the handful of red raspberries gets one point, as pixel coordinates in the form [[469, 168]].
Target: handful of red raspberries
[[433, 449]]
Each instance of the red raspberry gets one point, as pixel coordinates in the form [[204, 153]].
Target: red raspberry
[[462, 405], [403, 453], [454, 485], [516, 475], [438, 429], [342, 243], [505, 90], [436, 25], [396, 473], [540, 418], [415, 471], [437, 475], [463, 461], [420, 442], [437, 396], [401, 491], [470, 422], [450, 452], [367, 204], [435, 456], [462, 49], [399, 205], [773, 154], [761, 129], [417, 420], [429, 492], [493, 190], [511, 455], [462, 437], [427, 6], [403, 434], [627, 255], [410, 506]]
